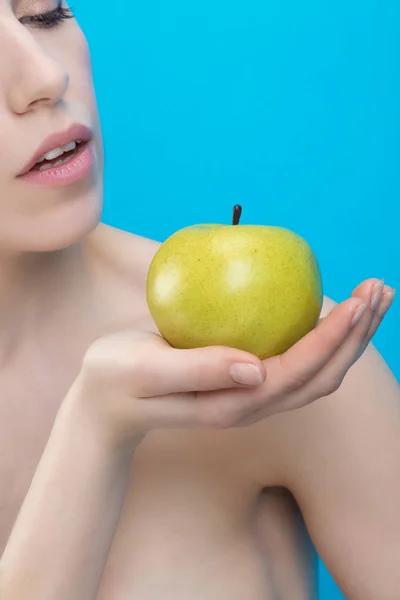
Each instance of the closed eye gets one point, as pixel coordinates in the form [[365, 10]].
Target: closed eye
[[50, 19]]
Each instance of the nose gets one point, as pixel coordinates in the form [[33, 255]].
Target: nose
[[36, 77]]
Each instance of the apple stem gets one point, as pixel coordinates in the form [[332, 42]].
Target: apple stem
[[237, 213]]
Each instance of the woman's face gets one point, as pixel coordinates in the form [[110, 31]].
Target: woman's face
[[45, 89]]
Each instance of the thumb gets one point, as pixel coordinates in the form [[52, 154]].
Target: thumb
[[169, 370]]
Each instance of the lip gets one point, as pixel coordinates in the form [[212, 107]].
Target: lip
[[75, 132], [77, 168]]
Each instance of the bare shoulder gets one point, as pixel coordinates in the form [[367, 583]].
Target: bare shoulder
[[121, 261], [126, 253]]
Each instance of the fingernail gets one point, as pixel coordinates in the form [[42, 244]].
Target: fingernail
[[246, 374], [358, 314], [377, 294], [386, 302]]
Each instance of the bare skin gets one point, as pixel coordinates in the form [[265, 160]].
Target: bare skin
[[206, 512], [176, 512], [228, 518]]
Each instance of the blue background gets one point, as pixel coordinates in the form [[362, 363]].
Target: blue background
[[290, 108]]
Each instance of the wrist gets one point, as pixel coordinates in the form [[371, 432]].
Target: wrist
[[85, 412]]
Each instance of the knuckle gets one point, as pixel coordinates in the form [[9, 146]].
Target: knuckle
[[96, 357], [134, 366], [111, 359], [331, 386], [217, 416], [292, 384]]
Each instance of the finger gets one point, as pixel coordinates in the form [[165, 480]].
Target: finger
[[302, 361], [171, 371], [365, 290], [370, 291], [346, 353], [375, 295], [386, 303], [374, 298], [380, 311], [377, 317], [330, 377], [217, 409]]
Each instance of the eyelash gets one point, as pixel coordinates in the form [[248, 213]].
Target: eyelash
[[50, 19]]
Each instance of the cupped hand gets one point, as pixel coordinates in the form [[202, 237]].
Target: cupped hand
[[140, 383]]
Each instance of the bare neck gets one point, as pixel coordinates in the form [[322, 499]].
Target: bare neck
[[37, 292]]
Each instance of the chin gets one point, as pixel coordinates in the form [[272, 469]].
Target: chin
[[70, 225], [60, 226]]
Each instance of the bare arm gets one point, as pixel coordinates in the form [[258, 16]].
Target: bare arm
[[62, 537]]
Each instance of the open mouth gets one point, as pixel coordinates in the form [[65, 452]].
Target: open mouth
[[59, 156]]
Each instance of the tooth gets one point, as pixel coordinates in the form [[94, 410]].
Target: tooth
[[53, 154], [58, 163], [40, 160], [69, 147], [45, 167]]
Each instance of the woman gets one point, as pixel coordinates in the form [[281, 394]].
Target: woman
[[125, 467]]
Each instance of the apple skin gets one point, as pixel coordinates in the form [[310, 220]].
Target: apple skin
[[253, 287]]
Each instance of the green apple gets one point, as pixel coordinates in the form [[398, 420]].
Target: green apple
[[253, 287]]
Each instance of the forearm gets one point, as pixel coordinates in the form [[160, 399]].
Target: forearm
[[62, 537]]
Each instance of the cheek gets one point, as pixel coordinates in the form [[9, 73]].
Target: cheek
[[84, 56], [81, 92], [79, 67]]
